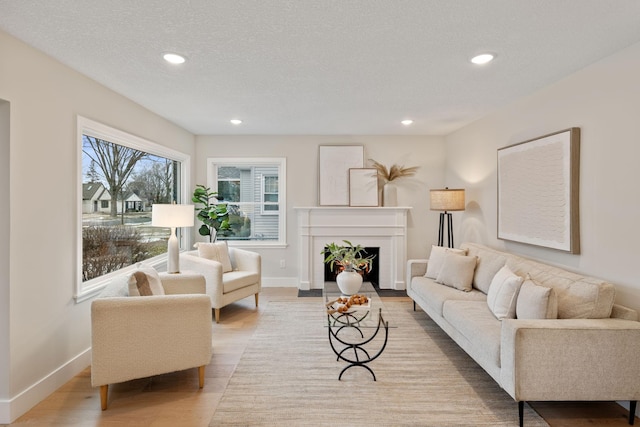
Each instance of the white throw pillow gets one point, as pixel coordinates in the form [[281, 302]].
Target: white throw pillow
[[503, 293], [536, 302], [217, 251], [144, 281], [436, 259], [457, 271]]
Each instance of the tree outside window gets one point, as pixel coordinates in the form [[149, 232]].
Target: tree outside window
[[122, 177]]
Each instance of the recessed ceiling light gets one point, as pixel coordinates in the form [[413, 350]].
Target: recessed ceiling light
[[482, 58], [173, 58], [407, 122], [235, 121]]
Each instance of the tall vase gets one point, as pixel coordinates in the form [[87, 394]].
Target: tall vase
[[389, 194], [349, 282]]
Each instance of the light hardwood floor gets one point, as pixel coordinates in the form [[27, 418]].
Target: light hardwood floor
[[175, 400]]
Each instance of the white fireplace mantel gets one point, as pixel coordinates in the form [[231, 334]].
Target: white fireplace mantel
[[382, 227]]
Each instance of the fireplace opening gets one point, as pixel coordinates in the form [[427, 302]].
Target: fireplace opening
[[371, 275]]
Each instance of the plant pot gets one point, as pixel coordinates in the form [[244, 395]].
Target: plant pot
[[349, 282]]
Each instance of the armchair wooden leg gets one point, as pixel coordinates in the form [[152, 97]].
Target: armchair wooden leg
[[257, 300], [201, 375], [217, 314], [104, 393]]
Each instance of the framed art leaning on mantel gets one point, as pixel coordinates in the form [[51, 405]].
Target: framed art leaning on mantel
[[363, 187], [538, 191]]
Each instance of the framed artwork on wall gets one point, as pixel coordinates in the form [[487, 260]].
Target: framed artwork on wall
[[363, 187], [538, 191], [333, 170]]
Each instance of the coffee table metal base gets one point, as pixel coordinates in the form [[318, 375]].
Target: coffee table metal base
[[360, 357]]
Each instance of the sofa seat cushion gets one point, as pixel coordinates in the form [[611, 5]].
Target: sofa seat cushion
[[235, 280], [436, 294], [475, 321]]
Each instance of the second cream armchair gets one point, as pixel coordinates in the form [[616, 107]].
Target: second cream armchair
[[224, 288]]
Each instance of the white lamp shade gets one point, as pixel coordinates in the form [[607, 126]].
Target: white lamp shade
[[447, 199], [171, 215]]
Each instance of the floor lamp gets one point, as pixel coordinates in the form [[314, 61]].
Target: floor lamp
[[172, 216], [447, 200]]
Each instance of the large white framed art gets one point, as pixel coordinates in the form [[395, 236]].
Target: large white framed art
[[538, 191], [333, 171]]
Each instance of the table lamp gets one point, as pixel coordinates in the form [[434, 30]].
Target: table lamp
[[172, 216], [447, 200]]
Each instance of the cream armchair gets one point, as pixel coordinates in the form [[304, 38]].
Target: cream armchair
[[138, 337], [224, 288]]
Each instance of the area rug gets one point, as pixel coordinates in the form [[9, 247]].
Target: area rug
[[288, 375]]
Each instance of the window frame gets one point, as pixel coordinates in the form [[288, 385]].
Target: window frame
[[281, 162], [263, 193], [85, 126]]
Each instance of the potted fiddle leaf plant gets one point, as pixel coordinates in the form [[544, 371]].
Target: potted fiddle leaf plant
[[351, 258], [214, 215]]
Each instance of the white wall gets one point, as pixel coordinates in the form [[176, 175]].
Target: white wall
[[302, 183], [604, 101], [49, 333]]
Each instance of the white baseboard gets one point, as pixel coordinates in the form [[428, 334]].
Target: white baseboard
[[16, 406], [280, 282]]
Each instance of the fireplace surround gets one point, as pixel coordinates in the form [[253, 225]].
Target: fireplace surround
[[381, 227]]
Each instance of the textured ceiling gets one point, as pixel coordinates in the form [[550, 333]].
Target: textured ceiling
[[324, 66]]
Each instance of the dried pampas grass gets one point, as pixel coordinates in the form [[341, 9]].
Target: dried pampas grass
[[394, 172]]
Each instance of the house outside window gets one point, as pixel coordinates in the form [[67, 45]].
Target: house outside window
[[253, 189], [121, 177], [270, 195]]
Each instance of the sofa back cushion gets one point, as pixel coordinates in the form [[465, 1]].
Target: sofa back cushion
[[488, 265], [579, 296]]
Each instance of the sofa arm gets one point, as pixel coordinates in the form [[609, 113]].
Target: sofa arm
[[570, 359], [137, 337], [244, 260], [416, 267]]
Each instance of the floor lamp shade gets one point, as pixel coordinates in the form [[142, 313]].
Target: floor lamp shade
[[447, 200], [172, 216]]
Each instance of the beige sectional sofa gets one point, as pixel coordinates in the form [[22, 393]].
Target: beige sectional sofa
[[588, 353]]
